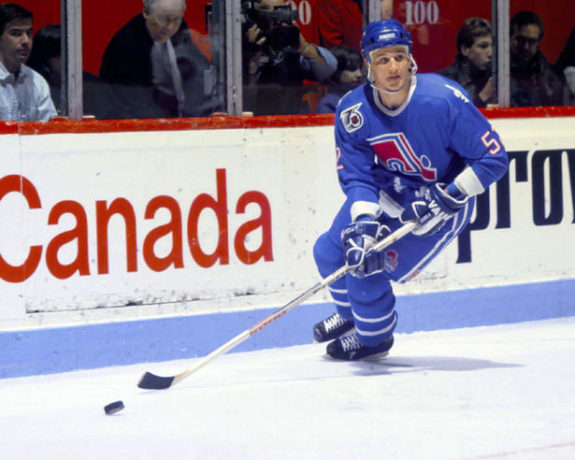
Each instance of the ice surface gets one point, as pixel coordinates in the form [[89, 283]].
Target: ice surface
[[490, 392]]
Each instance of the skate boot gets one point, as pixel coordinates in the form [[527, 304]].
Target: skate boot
[[332, 328], [349, 348]]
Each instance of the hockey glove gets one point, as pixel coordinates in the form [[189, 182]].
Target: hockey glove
[[374, 261], [357, 239], [433, 211]]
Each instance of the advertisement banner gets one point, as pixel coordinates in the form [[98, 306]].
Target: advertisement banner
[[149, 223]]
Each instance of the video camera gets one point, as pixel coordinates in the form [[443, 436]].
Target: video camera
[[276, 25], [281, 14]]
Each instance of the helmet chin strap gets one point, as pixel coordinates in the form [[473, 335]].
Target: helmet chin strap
[[371, 79]]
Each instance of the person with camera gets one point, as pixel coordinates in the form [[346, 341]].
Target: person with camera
[[278, 59]]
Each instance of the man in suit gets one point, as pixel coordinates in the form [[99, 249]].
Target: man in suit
[[153, 57]]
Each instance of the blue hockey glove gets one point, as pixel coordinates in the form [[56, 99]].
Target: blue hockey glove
[[374, 261], [434, 210], [358, 238]]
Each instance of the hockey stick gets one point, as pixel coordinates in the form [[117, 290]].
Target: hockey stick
[[150, 381]]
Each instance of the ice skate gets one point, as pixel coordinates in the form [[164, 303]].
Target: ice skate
[[331, 328], [349, 348]]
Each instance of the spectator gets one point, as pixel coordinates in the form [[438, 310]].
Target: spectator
[[24, 94], [278, 59], [533, 81], [348, 75], [472, 65], [386, 9], [154, 52], [46, 59], [566, 64]]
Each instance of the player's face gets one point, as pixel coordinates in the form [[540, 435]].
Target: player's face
[[391, 68], [165, 19], [525, 41], [480, 53], [16, 43]]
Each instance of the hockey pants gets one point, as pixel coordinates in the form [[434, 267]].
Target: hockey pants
[[370, 301]]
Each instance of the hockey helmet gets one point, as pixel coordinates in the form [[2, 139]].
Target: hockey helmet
[[381, 34]]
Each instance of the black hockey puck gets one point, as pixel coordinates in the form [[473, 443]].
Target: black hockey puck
[[114, 407]]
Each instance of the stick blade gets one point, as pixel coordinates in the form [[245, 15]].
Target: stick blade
[[150, 381]]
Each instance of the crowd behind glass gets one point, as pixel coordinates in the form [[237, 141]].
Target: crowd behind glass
[[157, 66]]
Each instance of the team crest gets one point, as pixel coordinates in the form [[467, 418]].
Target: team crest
[[394, 151], [352, 118]]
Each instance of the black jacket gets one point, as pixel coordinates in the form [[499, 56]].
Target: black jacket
[[472, 81], [127, 62], [536, 83]]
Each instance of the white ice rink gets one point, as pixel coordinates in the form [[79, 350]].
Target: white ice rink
[[482, 393]]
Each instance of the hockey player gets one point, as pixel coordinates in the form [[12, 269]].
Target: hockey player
[[408, 148]]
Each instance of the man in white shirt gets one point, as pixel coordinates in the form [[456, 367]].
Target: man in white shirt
[[24, 94]]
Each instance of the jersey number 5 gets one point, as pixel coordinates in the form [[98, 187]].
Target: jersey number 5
[[492, 144]]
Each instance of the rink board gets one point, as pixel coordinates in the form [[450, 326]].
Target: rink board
[[145, 244]]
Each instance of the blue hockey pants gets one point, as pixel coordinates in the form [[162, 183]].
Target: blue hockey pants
[[370, 301]]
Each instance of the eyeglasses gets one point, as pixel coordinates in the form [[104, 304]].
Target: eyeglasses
[[522, 41], [167, 20]]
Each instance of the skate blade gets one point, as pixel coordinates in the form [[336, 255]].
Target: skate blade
[[375, 357]]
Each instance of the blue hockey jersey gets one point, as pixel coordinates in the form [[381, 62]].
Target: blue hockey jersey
[[436, 135]]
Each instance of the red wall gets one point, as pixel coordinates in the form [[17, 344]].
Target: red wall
[[45, 11], [434, 44]]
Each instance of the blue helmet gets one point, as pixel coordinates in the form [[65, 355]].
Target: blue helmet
[[382, 34]]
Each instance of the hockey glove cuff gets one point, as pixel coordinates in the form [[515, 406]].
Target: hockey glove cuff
[[434, 210]]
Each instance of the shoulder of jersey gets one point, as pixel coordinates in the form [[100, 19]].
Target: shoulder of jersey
[[353, 108], [435, 85]]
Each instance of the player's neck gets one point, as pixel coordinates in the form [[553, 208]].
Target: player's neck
[[394, 100]]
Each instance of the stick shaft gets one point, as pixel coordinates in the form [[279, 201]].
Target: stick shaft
[[240, 338]]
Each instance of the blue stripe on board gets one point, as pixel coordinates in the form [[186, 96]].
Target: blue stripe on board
[[53, 350]]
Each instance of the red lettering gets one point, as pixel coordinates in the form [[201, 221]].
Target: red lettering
[[122, 207], [19, 273], [173, 227], [173, 256], [79, 234], [219, 206], [263, 222]]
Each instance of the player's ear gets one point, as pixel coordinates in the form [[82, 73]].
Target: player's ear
[[413, 68]]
